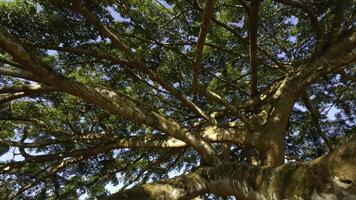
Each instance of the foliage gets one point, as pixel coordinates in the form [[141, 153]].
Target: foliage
[[162, 34]]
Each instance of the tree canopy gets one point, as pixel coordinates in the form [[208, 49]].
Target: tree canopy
[[222, 93]]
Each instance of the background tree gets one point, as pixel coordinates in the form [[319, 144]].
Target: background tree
[[219, 94]]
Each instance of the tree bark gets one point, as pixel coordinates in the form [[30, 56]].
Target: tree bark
[[332, 176]]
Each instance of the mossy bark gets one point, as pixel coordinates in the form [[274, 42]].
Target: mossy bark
[[328, 177]]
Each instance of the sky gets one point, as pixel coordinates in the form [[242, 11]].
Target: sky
[[110, 187]]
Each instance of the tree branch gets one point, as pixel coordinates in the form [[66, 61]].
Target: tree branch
[[79, 7], [293, 86], [347, 76], [323, 177], [331, 61], [207, 14], [315, 116], [10, 93], [245, 41], [96, 54], [335, 57], [337, 20], [25, 88], [245, 6], [5, 98], [48, 173], [318, 28], [9, 62], [234, 135], [106, 99], [181, 187], [17, 72], [253, 26], [81, 51]]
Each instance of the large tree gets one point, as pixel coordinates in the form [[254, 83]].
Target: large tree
[[245, 98]]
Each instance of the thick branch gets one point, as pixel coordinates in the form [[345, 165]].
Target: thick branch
[[326, 177], [106, 99], [17, 72], [234, 135], [334, 58], [182, 187], [25, 88], [293, 86]]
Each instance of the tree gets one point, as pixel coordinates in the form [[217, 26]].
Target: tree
[[247, 98]]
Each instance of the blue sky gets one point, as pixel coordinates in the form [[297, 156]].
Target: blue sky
[[110, 187]]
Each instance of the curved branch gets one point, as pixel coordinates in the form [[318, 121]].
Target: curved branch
[[293, 86], [320, 178], [113, 102], [334, 58], [331, 61], [181, 187]]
